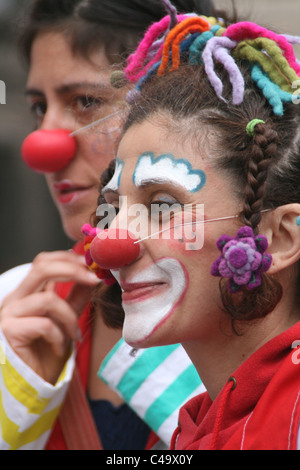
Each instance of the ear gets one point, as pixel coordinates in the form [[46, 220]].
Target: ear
[[283, 233]]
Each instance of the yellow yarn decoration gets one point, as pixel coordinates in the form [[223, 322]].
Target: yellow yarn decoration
[[266, 52]]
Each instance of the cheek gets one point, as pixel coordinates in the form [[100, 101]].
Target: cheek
[[194, 252], [187, 240], [105, 145], [188, 230]]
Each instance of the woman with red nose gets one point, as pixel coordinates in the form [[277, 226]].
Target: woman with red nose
[[211, 125], [71, 48]]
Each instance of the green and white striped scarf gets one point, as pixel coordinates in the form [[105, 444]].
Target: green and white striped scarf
[[154, 382]]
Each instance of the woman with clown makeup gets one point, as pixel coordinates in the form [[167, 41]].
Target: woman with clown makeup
[[214, 121], [51, 343]]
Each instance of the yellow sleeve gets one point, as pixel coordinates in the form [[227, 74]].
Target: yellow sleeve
[[29, 406]]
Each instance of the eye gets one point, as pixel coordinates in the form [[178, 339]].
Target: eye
[[86, 106], [86, 102], [164, 208], [38, 109], [106, 213], [108, 209]]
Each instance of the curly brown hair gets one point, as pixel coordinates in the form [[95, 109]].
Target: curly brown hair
[[116, 25]]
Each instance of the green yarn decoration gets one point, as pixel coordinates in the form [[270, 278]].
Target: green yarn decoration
[[266, 52], [251, 125], [118, 79]]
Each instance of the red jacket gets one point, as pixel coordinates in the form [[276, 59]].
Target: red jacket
[[258, 409]]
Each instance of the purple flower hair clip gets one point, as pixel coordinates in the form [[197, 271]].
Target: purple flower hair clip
[[243, 259]]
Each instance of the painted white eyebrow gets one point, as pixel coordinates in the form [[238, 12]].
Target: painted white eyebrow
[[157, 180], [114, 183], [166, 169]]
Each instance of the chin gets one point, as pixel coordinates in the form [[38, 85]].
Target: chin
[[141, 344], [73, 229], [141, 340]]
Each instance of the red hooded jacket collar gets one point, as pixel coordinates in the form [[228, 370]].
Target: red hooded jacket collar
[[264, 397]]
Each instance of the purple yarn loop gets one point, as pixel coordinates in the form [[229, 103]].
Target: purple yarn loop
[[220, 47], [171, 10]]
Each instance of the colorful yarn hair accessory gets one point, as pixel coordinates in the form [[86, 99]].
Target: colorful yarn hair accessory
[[243, 259], [199, 40], [251, 126], [104, 274]]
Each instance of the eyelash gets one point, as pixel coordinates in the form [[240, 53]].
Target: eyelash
[[163, 202], [90, 101], [158, 202], [82, 105], [164, 207], [35, 108]]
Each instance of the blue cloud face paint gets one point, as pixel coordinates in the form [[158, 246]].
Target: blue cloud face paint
[[166, 169]]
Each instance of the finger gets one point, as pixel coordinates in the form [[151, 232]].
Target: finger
[[43, 304], [23, 333], [50, 286], [63, 255], [56, 271]]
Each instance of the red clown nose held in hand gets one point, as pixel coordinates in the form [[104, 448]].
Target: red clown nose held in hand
[[48, 151], [114, 248]]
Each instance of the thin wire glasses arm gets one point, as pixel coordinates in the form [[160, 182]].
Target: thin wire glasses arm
[[204, 221]]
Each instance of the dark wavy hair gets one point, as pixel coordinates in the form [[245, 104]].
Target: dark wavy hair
[[116, 25]]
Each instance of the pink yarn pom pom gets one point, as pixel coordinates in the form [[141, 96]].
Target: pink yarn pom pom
[[136, 67], [248, 30]]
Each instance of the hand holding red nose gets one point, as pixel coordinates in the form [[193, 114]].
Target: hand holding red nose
[[114, 248], [48, 151]]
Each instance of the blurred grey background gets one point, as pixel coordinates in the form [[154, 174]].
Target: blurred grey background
[[28, 220]]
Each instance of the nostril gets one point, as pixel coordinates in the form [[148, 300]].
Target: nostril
[[48, 151], [114, 248]]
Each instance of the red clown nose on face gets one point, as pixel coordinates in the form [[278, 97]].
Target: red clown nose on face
[[48, 151], [114, 248]]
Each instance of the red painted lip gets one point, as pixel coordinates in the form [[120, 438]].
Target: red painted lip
[[134, 292], [66, 191]]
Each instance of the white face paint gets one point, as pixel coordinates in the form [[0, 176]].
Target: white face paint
[[114, 183], [165, 168], [150, 297]]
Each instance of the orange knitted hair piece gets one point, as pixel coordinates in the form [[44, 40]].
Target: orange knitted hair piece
[[190, 25]]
